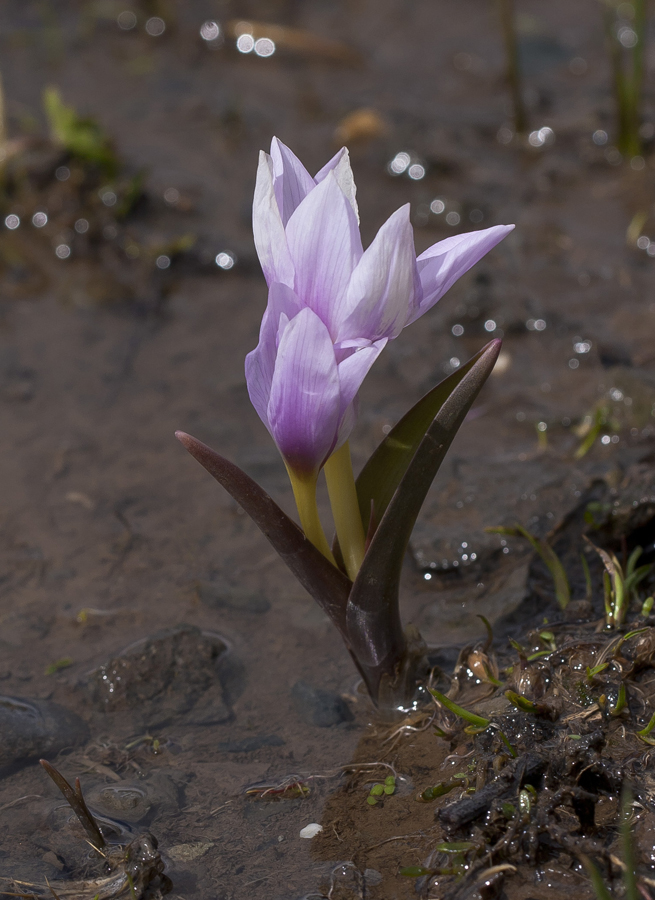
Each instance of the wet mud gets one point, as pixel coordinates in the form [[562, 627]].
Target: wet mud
[[516, 807], [120, 559]]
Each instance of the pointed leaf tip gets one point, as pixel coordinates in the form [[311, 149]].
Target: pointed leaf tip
[[378, 480], [424, 436]]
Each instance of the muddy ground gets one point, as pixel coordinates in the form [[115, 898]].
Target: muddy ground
[[110, 534]]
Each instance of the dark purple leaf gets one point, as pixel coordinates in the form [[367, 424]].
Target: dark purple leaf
[[327, 585]]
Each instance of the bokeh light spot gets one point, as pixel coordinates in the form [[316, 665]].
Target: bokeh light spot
[[155, 26], [264, 47], [126, 20], [225, 260], [210, 31]]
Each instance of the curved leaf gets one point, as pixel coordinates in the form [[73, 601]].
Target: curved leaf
[[373, 616], [327, 585], [378, 480]]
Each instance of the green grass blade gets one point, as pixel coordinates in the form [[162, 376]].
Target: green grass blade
[[627, 847], [587, 577], [82, 137], [636, 578], [596, 879], [632, 561], [550, 558], [647, 730], [469, 717]]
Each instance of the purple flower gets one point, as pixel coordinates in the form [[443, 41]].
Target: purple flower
[[302, 386], [332, 305]]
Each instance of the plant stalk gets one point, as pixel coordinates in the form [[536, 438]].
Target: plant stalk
[[628, 78], [345, 509], [304, 492]]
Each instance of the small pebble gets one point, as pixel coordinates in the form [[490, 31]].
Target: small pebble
[[310, 831]]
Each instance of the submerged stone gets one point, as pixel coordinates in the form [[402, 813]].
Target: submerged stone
[[131, 801], [320, 707], [36, 728], [173, 675], [128, 802], [222, 595]]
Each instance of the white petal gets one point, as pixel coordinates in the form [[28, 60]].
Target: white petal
[[384, 287], [325, 246], [443, 263], [340, 165], [268, 230], [291, 180]]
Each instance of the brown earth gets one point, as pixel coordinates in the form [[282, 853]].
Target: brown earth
[[110, 534]]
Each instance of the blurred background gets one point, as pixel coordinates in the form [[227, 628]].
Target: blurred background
[[130, 293]]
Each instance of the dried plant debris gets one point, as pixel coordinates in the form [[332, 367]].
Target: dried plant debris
[[132, 870]]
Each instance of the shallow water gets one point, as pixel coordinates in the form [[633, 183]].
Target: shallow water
[[103, 511]]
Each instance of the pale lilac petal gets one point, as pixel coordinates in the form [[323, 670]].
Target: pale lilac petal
[[347, 423], [283, 304], [352, 372], [304, 405], [325, 246], [331, 165], [291, 180], [258, 382], [268, 229], [340, 165], [384, 286], [352, 344], [354, 369], [443, 263]]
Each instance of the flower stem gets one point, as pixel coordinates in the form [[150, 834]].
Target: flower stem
[[304, 492], [345, 509]]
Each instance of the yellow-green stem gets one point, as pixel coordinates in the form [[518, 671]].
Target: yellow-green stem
[[345, 509], [304, 492]]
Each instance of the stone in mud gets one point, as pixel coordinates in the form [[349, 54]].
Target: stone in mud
[[319, 707], [173, 675], [128, 802], [132, 802], [222, 595], [34, 728]]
